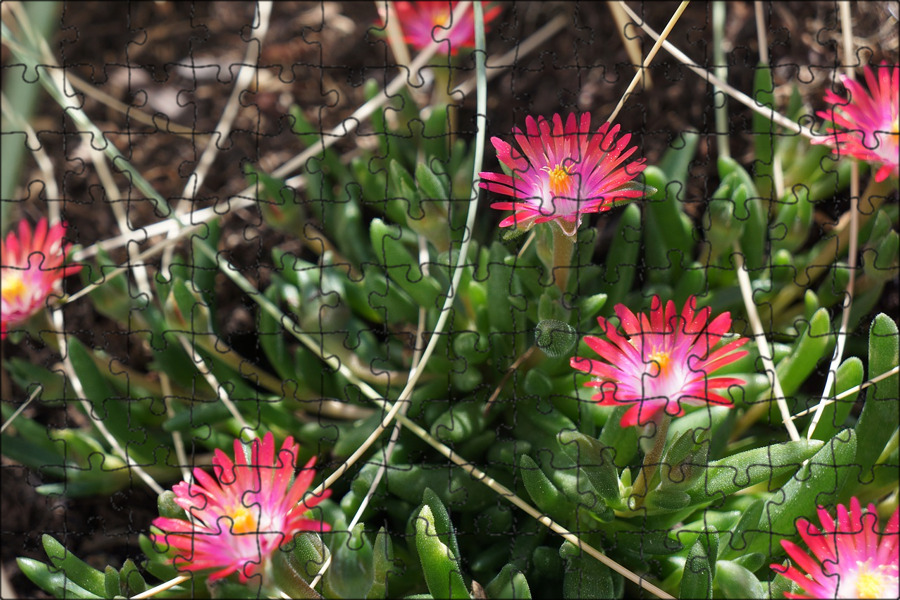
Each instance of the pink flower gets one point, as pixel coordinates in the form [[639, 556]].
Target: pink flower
[[32, 266], [870, 120], [661, 361], [425, 22], [565, 173], [243, 515], [850, 560]]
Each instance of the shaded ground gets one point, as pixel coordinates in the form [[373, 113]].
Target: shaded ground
[[176, 58]]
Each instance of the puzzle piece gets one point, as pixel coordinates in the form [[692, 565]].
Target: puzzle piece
[[653, 434]]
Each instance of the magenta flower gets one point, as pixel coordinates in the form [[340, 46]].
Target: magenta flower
[[564, 173], [425, 22], [243, 515], [848, 561], [871, 120], [661, 361], [32, 265]]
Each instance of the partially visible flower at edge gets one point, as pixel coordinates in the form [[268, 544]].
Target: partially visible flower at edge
[[871, 120], [849, 560], [32, 269], [425, 22], [661, 361], [564, 173], [243, 515]]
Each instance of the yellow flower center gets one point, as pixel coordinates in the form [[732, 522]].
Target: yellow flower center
[[661, 359], [559, 179], [873, 583], [13, 288], [244, 521], [440, 19]]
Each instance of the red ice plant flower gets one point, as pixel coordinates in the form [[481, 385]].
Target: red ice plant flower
[[564, 172], [243, 515], [661, 361], [871, 120], [849, 560], [425, 22], [32, 265]]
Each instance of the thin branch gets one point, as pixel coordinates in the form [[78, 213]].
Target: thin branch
[[847, 28], [395, 34], [177, 439], [249, 69], [631, 44], [650, 56], [40, 156], [19, 410], [232, 273], [161, 587], [741, 97], [854, 390], [246, 197], [512, 369], [133, 112], [122, 220], [395, 434], [760, 335], [57, 85], [496, 67], [57, 319], [719, 14], [215, 385], [543, 519], [150, 252], [761, 32]]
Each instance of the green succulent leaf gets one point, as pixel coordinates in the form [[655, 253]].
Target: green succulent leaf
[[53, 581], [73, 567], [439, 564], [722, 478], [509, 583], [382, 564], [817, 483], [594, 459], [586, 577], [879, 417], [700, 566], [736, 581]]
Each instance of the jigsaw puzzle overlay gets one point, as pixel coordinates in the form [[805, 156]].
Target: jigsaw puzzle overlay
[[450, 299]]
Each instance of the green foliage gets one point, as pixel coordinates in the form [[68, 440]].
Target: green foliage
[[879, 417], [67, 576], [700, 566], [439, 564], [364, 244]]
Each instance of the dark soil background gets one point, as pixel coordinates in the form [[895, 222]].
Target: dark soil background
[[180, 59]]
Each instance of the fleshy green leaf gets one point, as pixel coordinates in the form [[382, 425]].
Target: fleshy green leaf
[[879, 417], [722, 478], [439, 564], [819, 482], [509, 583], [700, 567], [73, 567]]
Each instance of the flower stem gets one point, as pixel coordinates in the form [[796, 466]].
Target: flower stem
[[563, 248], [651, 462]]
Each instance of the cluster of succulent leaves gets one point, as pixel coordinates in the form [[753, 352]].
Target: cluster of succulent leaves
[[714, 510]]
